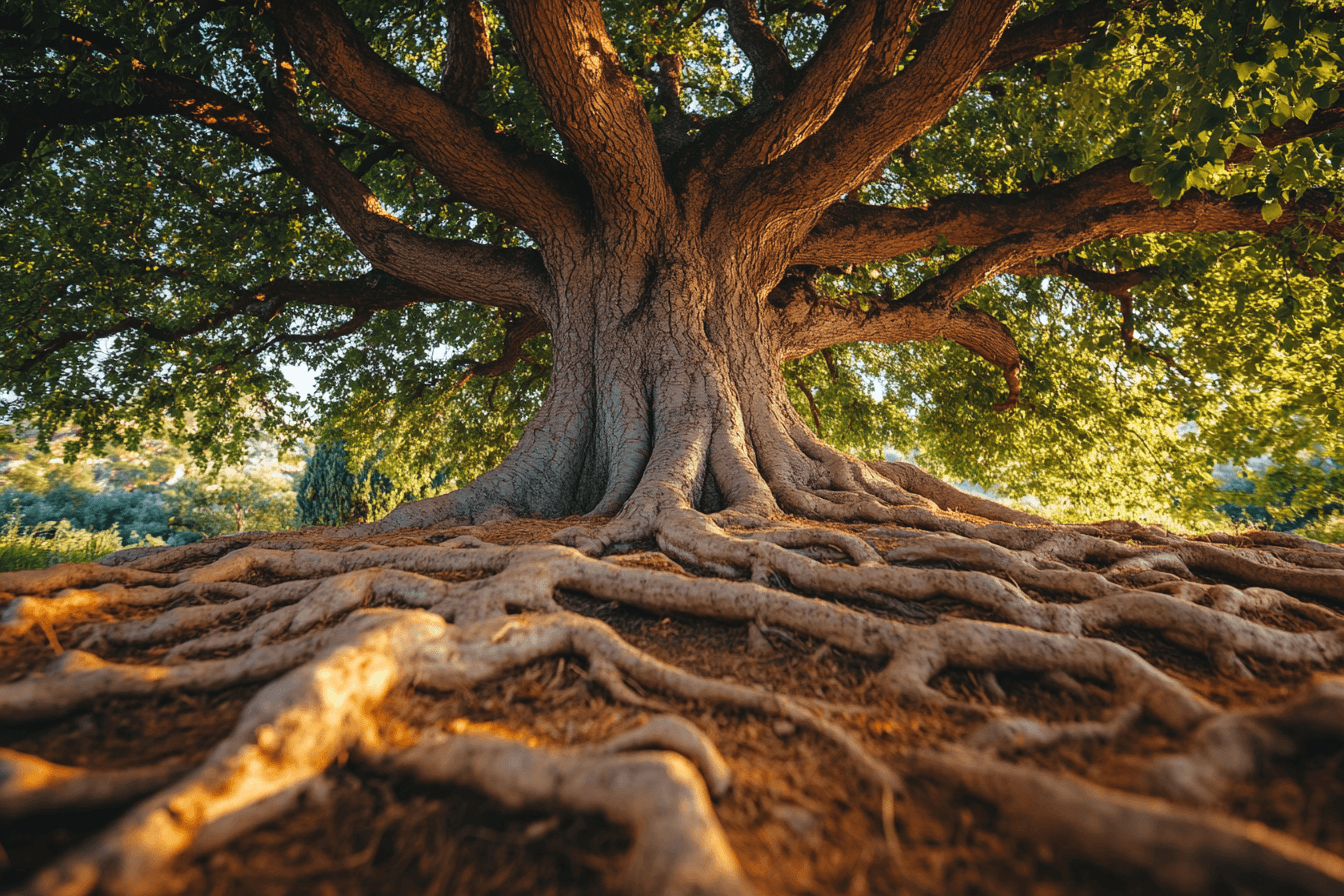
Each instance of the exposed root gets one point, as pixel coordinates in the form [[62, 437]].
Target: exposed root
[[288, 735], [680, 736], [77, 679], [1184, 851], [334, 634], [30, 786], [1236, 745], [678, 848], [1020, 734]]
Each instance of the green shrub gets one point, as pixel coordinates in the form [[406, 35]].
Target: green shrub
[[141, 511], [330, 495], [232, 501]]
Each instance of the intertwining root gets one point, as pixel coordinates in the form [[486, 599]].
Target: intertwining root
[[338, 637]]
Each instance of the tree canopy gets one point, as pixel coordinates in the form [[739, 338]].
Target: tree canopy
[[1143, 193]]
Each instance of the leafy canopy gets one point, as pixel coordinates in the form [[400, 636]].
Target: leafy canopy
[[1229, 349]]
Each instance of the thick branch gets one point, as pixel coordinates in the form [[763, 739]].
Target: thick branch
[[1050, 32], [367, 294], [853, 233], [1324, 120], [873, 122], [458, 269], [809, 326], [460, 149], [892, 36], [467, 55], [26, 125], [594, 105], [771, 70], [820, 89], [673, 132]]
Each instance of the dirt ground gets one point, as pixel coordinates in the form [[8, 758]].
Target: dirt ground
[[799, 816]]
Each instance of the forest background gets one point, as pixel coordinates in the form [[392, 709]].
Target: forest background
[[71, 508]]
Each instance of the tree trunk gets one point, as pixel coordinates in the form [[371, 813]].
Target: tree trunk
[[666, 393]]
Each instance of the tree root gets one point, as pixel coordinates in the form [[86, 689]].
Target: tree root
[[457, 615], [1235, 745], [678, 848], [1184, 851], [31, 786]]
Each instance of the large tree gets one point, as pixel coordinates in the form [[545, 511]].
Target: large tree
[[663, 228]]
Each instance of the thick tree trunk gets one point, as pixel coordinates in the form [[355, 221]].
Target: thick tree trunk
[[666, 393]]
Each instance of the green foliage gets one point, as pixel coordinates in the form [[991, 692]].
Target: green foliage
[[233, 501], [1301, 492], [49, 543], [329, 494], [143, 495], [129, 514], [159, 220]]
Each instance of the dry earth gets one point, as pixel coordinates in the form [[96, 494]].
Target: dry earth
[[1222, 772]]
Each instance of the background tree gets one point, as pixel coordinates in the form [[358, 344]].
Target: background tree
[[328, 494], [682, 241]]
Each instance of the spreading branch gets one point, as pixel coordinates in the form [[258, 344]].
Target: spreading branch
[[870, 124], [811, 322], [892, 36], [771, 71], [1104, 197], [1116, 283], [821, 87], [673, 131], [1051, 31], [460, 149], [593, 103], [459, 269], [365, 295], [517, 331]]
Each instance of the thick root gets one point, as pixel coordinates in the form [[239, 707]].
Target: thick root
[[336, 635], [1184, 851], [679, 847], [288, 735]]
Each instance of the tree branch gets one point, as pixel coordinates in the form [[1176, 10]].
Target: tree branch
[[506, 278], [821, 87], [457, 269], [673, 132], [593, 103], [460, 149], [518, 330], [367, 294], [1052, 31], [811, 403], [1116, 283], [892, 35], [873, 122], [1324, 120], [771, 71], [467, 55], [809, 325], [853, 233]]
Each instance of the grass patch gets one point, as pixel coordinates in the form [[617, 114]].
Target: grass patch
[[47, 543]]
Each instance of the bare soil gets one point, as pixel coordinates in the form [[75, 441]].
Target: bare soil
[[799, 817]]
